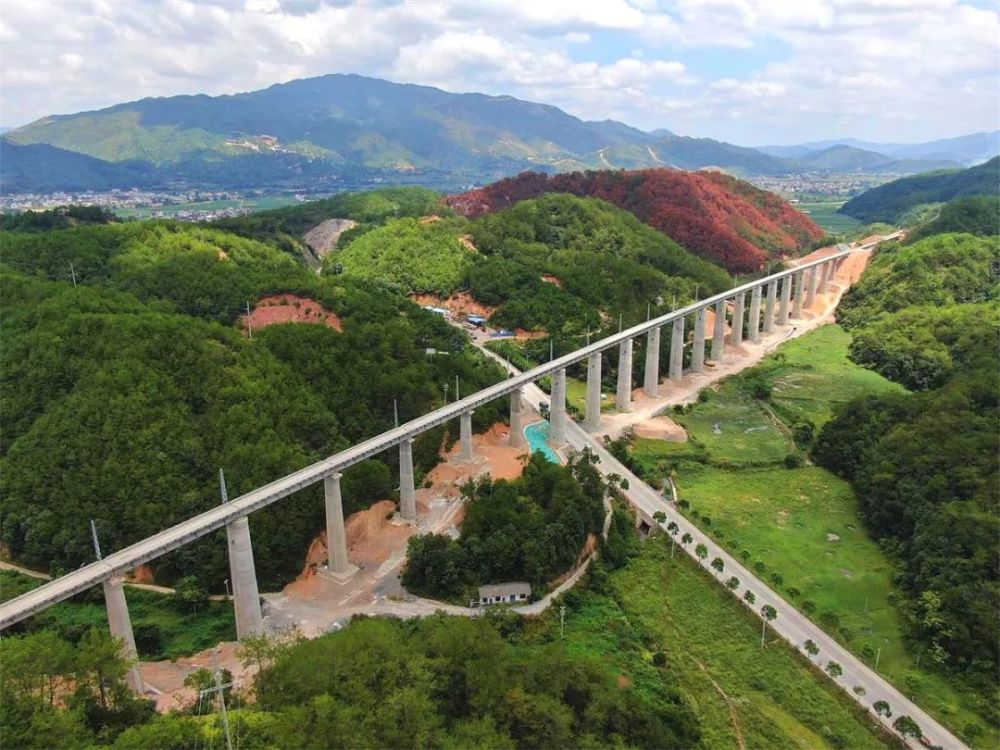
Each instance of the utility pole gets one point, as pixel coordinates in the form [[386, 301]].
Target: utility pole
[[395, 412], [249, 329], [97, 544], [446, 384], [562, 622], [456, 389], [878, 655], [72, 273], [219, 688]]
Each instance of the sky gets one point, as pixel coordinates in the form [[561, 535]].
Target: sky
[[752, 72]]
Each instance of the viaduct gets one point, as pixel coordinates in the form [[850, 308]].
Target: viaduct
[[772, 301]]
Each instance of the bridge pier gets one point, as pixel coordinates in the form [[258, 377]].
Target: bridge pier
[[557, 409], [811, 287], [623, 396], [786, 298], [465, 452], [698, 347], [770, 308], [677, 350], [719, 332], [516, 438], [407, 492], [338, 566], [754, 324], [651, 374], [120, 625], [243, 576], [827, 276], [800, 280], [592, 412], [736, 337]]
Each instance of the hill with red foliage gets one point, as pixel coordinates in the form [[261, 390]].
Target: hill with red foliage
[[710, 213]]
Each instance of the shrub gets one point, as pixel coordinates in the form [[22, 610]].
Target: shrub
[[793, 461]]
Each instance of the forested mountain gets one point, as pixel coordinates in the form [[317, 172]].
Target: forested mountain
[[887, 203], [317, 132], [713, 215], [123, 395], [967, 150], [925, 464], [841, 158]]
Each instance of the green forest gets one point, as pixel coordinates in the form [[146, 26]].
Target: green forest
[[530, 529], [925, 464], [126, 390]]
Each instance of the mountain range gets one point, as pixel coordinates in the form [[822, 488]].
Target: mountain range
[[321, 132], [968, 150]]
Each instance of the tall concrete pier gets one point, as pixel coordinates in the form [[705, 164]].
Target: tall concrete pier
[[242, 573], [736, 337], [516, 438], [719, 331], [811, 287], [407, 492], [557, 410], [337, 564], [698, 346], [465, 449], [592, 411], [771, 306], [786, 298], [754, 324], [651, 374], [120, 625], [623, 396], [800, 282], [677, 349]]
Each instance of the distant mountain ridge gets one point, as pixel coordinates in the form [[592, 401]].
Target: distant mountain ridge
[[317, 131], [965, 150]]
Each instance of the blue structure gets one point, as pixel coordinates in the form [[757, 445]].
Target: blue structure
[[538, 438]]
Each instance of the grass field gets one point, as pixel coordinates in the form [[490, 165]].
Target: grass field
[[825, 214], [803, 523], [254, 204], [769, 697], [179, 634], [576, 396]]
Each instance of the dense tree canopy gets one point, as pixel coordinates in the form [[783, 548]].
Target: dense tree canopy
[[926, 466], [530, 529]]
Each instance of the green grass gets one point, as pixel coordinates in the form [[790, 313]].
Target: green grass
[[576, 396], [712, 644], [825, 214], [180, 634], [782, 517]]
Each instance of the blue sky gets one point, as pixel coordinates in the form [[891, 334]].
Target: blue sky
[[747, 71]]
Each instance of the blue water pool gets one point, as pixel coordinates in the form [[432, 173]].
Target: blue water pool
[[538, 438]]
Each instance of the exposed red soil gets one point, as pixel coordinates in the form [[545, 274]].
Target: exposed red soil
[[466, 242], [429, 219], [289, 308], [460, 303], [661, 428], [549, 279], [141, 574]]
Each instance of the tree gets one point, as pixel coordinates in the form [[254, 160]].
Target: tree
[[749, 598], [882, 708], [660, 517], [701, 552], [811, 648], [190, 595], [718, 564], [907, 727], [733, 583], [673, 528], [768, 613], [686, 538], [834, 669]]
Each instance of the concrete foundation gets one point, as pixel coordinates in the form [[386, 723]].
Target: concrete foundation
[[516, 438], [337, 564], [557, 410], [592, 411], [243, 577], [407, 492], [465, 450], [753, 326], [800, 281], [719, 331], [736, 336], [120, 625], [771, 307], [786, 298], [698, 347], [623, 396], [651, 374], [677, 350]]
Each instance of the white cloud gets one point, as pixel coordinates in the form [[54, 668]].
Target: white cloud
[[815, 68]]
